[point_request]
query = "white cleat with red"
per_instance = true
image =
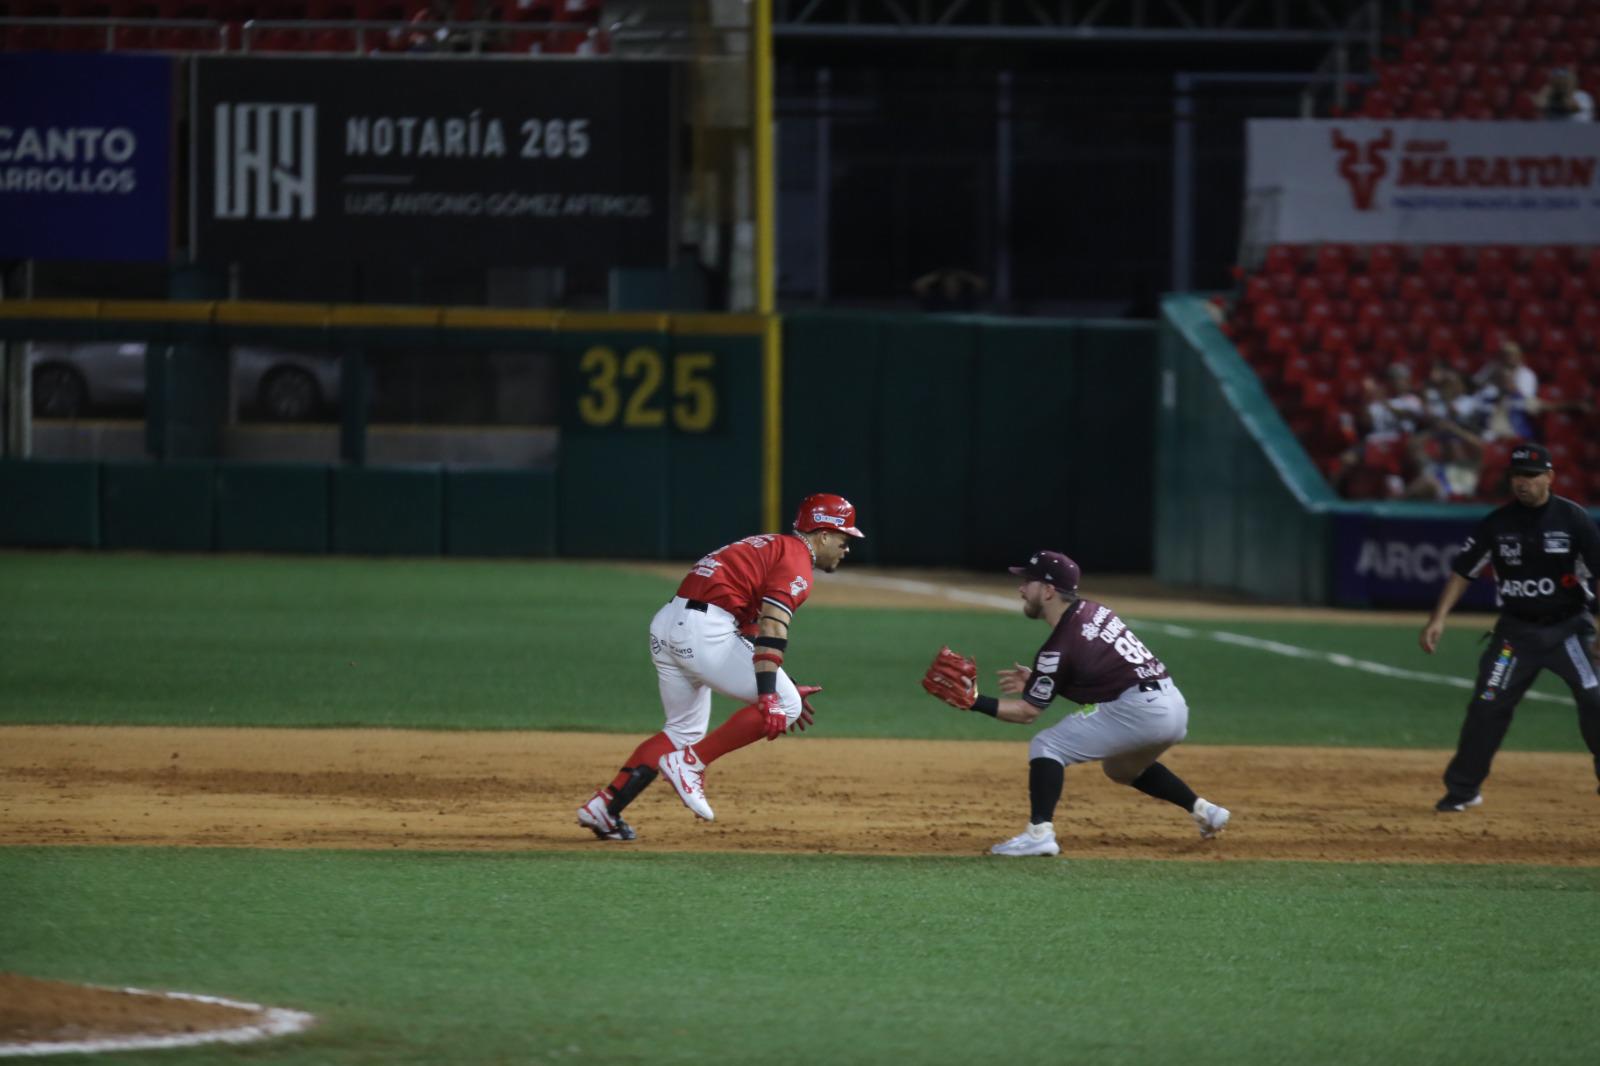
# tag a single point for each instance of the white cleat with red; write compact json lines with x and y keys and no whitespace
{"x":688,"y":776}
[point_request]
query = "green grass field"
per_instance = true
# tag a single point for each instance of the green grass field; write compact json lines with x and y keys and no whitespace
{"x":624,"y":957}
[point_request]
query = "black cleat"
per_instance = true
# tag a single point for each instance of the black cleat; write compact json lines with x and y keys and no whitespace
{"x":623,"y":831}
{"x":1454,"y":804}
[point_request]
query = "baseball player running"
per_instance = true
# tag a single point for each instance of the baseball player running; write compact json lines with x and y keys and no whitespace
{"x":1132,"y":711}
{"x":726,"y":630}
{"x":1545,"y":551}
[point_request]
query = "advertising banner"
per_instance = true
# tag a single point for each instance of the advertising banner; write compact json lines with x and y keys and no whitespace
{"x":1398,"y":562}
{"x":437,"y":161}
{"x":1424,"y":182}
{"x":85,"y":157}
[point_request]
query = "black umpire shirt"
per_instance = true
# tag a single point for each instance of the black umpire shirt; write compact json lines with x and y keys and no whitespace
{"x":1544,"y":559}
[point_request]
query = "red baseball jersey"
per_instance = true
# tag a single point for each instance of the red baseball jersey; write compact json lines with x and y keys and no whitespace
{"x":1091,"y":656}
{"x":768,"y":567}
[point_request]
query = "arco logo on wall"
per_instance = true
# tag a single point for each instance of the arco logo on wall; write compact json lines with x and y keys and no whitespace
{"x":436,"y":161}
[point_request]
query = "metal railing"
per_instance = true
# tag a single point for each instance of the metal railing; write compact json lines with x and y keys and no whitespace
{"x":460,"y":38}
{"x":112,"y":27}
{"x":450,"y":37}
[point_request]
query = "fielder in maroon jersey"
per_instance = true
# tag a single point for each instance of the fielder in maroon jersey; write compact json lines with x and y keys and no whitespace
{"x":1132,"y":710}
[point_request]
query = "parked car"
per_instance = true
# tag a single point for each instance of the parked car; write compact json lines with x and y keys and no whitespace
{"x":73,"y":380}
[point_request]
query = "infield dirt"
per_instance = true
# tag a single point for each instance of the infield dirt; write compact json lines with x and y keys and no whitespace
{"x":520,"y":791}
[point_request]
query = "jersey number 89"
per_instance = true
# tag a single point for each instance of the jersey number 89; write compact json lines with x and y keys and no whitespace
{"x":1132,"y":649}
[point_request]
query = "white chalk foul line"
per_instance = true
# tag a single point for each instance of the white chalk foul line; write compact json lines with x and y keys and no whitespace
{"x":1272,"y":647}
{"x":274,"y":1021}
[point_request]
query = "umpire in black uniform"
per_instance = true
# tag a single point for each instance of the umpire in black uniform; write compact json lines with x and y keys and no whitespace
{"x":1545,"y":551}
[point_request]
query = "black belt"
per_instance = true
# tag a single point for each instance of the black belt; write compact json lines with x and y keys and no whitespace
{"x":1149,"y":686}
{"x":1544,"y":619}
{"x":697,"y":605}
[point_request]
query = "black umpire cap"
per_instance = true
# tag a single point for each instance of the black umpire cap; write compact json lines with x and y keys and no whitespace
{"x":1052,"y":568}
{"x":1530,"y":459}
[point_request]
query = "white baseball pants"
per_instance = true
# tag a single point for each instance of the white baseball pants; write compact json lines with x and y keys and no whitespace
{"x":696,"y":653}
{"x":1126,"y":734}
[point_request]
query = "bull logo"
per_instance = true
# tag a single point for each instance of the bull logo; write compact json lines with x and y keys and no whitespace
{"x":1362,"y":164}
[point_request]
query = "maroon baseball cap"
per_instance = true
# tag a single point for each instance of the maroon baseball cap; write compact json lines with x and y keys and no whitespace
{"x":1052,"y":568}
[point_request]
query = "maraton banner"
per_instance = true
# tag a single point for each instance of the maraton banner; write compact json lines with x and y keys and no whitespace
{"x":85,"y":157}
{"x":440,"y":161}
{"x":1368,"y":181}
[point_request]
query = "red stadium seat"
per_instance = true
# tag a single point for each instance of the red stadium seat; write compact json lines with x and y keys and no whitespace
{"x":1444,"y":346}
{"x":1257,"y":289}
{"x":1395,"y":78}
{"x":1573,"y":290}
{"x":1414,"y":289}
{"x":1383,"y":258}
{"x":1283,"y":259}
{"x":1585,"y":324}
{"x":1466,"y":289}
{"x":1334,"y":258}
{"x":1375,"y":103}
{"x":1385,"y":283}
{"x":1282,"y":340}
{"x":1360,"y":289}
{"x":1336,"y":340}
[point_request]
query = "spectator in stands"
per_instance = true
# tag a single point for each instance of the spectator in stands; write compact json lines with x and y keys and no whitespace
{"x":1510,"y":356}
{"x":483,"y":40}
{"x":429,"y":32}
{"x":1448,"y":401}
{"x":1448,"y":463}
{"x":1399,"y":407}
{"x":1509,"y":414}
{"x":1561,"y":99}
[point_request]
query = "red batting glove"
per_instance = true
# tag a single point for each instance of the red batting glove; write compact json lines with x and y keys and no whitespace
{"x":807,"y":714}
{"x":776,"y":720}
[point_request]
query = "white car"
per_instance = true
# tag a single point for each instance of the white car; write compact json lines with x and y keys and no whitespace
{"x":74,"y":380}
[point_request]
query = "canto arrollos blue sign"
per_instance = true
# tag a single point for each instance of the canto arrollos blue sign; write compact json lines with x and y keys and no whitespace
{"x":85,"y":157}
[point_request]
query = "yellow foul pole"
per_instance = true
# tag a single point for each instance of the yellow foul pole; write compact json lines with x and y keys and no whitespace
{"x":766,"y":245}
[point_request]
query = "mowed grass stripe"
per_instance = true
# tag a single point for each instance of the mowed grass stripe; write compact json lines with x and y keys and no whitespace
{"x":447,"y":644}
{"x":627,"y":957}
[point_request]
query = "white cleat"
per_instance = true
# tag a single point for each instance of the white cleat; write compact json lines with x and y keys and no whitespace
{"x":688,"y":776}
{"x":594,"y":817}
{"x":1035,"y":840}
{"x":1210,"y":818}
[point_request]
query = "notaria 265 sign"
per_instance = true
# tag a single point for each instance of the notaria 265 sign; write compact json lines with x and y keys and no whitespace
{"x":494,"y":163}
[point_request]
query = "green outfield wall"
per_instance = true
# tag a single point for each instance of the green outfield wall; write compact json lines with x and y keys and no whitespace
{"x":965,"y":441}
{"x":973,"y":441}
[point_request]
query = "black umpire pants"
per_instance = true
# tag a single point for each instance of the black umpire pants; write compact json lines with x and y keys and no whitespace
{"x":1516,"y":653}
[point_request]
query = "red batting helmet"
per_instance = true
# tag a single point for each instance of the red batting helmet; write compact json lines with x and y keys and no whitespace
{"x":824,"y":510}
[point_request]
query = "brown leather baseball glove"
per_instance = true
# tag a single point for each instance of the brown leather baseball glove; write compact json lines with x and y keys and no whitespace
{"x":953,"y":678}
